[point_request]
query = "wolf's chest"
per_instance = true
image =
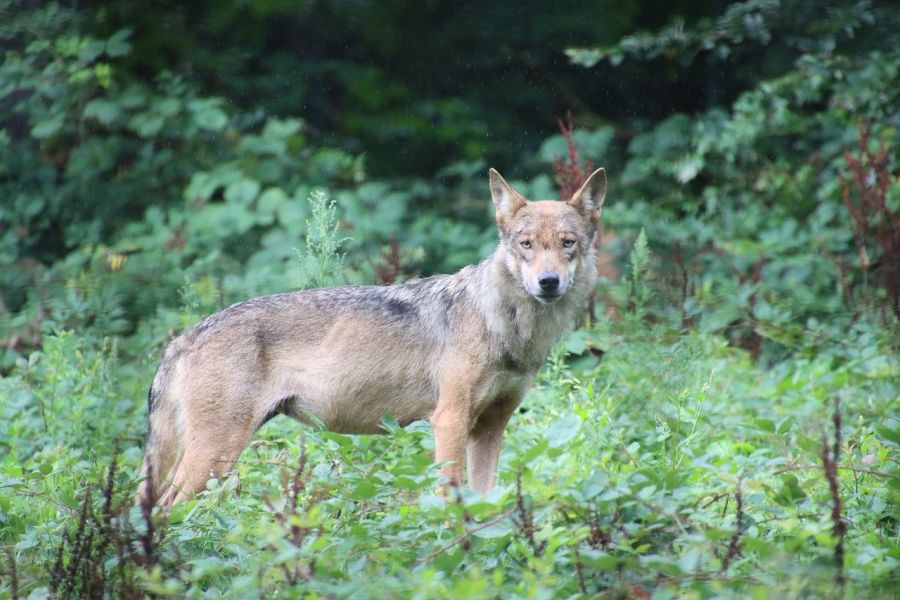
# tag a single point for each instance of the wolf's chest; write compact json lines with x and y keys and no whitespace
{"x":504,"y":384}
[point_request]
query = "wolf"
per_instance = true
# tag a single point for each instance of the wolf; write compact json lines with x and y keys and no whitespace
{"x":459,"y":350}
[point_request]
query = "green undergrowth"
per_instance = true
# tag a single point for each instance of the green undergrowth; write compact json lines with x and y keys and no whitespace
{"x":645,"y":461}
{"x":730,"y":430}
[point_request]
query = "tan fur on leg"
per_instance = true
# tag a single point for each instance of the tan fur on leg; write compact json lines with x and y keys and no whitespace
{"x":451,"y":427}
{"x":206,"y":456}
{"x":483,"y":450}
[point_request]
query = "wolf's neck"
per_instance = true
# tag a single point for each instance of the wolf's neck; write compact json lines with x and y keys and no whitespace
{"x":526,"y":328}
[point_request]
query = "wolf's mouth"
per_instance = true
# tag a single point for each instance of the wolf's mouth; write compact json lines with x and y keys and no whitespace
{"x":547,"y":298}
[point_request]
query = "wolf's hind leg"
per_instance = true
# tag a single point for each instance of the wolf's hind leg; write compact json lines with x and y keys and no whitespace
{"x":160,"y":458}
{"x":209,"y":453}
{"x":485,"y":439}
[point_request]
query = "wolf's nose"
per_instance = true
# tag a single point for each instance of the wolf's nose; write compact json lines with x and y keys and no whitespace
{"x":549,"y":282}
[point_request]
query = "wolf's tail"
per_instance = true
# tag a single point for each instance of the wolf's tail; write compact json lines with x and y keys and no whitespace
{"x":163,"y":449}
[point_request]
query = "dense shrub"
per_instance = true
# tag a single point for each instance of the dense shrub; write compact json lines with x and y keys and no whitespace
{"x":728,"y":427}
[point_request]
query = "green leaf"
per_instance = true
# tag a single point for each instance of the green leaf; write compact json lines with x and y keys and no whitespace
{"x":118,"y":45}
{"x":532,"y":453}
{"x":766,"y":425}
{"x":760,"y":546}
{"x":48,"y":126}
{"x":225,"y":220}
{"x":281,"y":128}
{"x":168,"y":107}
{"x":577,"y":342}
{"x":689,"y":561}
{"x":432,"y":502}
{"x":810,"y":444}
{"x":268,"y":203}
{"x":586,"y":57}
{"x":405,"y":483}
{"x":688,"y":169}
{"x":146,"y":124}
{"x":661,"y":563}
{"x":343,"y":440}
{"x":242,"y":191}
{"x":201,"y":187}
{"x":790,"y":491}
{"x":91,"y":51}
{"x":389,"y":424}
{"x":208,"y":115}
{"x":563,"y":430}
{"x":499,"y":529}
{"x":785,"y":426}
{"x":603,"y":561}
{"x":448,"y":561}
{"x":364,"y":490}
{"x":101,"y":110}
{"x":212,"y":119}
{"x":889,"y":434}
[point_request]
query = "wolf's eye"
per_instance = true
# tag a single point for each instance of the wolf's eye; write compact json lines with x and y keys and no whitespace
{"x":568,"y":243}
{"x":525,"y":244}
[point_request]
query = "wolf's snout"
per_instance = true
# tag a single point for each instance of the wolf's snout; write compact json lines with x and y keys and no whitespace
{"x":549,"y":282}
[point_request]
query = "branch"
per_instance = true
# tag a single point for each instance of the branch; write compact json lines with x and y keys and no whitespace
{"x":464,"y":537}
{"x":854,"y":469}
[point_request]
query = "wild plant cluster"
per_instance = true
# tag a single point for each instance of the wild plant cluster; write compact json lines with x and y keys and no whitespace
{"x":726,"y":424}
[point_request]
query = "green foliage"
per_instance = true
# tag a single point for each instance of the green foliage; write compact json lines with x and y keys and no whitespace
{"x":744,"y":200}
{"x":638,"y":291}
{"x":117,"y":183}
{"x":322,"y":260}
{"x":743,"y":27}
{"x":627,"y":482}
{"x":674,"y":449}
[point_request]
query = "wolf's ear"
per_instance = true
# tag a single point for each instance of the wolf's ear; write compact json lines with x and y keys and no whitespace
{"x":589,"y":198}
{"x":506,"y":200}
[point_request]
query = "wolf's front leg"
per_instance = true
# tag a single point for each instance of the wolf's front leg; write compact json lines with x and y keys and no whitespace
{"x":485,"y":440}
{"x":451,"y":429}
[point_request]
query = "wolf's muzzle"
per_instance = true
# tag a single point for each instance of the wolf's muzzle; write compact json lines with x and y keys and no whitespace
{"x":548,"y":282}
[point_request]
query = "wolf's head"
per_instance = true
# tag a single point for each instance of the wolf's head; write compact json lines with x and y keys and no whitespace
{"x":546,"y":243}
